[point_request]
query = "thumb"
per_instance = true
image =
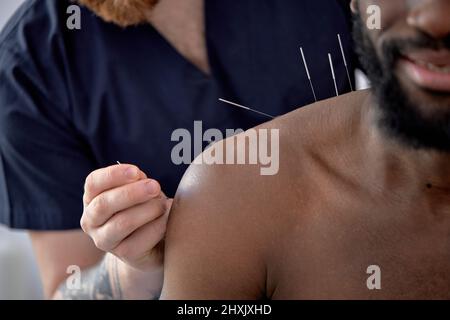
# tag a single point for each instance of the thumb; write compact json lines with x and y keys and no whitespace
{"x":169,"y":203}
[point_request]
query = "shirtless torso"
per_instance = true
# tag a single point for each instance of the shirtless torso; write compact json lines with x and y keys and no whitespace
{"x":345,"y":198}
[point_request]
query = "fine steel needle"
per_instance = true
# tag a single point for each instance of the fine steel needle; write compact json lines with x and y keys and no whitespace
{"x":246,"y":108}
{"x":345,"y":61}
{"x":307,"y":73}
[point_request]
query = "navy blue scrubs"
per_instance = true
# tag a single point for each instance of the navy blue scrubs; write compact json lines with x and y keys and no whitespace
{"x":72,"y":101}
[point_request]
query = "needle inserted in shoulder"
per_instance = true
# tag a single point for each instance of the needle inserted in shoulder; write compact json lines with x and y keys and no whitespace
{"x":307,"y":74}
{"x":332,"y":73}
{"x":118,"y":163}
{"x":246,"y":108}
{"x":345,"y":61}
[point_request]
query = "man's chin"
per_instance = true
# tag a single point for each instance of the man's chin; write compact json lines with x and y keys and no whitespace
{"x":428,"y":102}
{"x":123,"y":13}
{"x":416,"y":117}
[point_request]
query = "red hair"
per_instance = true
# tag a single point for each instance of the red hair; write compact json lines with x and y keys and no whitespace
{"x":121,"y":12}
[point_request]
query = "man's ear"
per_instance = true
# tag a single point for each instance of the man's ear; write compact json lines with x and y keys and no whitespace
{"x":354,"y":6}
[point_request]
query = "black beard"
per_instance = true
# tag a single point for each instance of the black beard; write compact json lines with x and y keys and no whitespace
{"x":400,"y":117}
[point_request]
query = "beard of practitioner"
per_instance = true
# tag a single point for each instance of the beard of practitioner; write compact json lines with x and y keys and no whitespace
{"x":123,"y":13}
{"x":360,"y":207}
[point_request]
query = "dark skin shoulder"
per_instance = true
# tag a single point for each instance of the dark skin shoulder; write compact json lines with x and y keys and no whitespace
{"x":346,"y":200}
{"x":228,"y":225}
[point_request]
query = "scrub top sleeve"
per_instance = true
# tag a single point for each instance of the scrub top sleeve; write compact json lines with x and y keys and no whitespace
{"x":43,"y":160}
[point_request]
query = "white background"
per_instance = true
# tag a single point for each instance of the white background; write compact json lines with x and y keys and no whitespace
{"x":19,"y":277}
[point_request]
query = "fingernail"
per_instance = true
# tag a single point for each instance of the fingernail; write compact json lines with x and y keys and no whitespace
{"x":413,"y":18}
{"x":131,"y":172}
{"x":152,"y":187}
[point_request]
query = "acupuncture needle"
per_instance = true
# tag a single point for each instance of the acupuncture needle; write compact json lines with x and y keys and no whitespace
{"x":246,"y":108}
{"x":307,"y":73}
{"x":345,"y":61}
{"x":332,"y":74}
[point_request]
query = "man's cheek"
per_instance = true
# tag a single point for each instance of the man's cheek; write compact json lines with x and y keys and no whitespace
{"x":380,"y":15}
{"x":382,"y":19}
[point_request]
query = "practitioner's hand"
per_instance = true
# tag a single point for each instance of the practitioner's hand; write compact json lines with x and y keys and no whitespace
{"x":125,"y":214}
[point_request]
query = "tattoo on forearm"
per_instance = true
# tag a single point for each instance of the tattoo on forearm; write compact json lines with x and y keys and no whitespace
{"x":117,"y":287}
{"x":98,"y":283}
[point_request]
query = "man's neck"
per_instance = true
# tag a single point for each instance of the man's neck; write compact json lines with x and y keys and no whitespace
{"x":182,"y":23}
{"x":396,"y":163}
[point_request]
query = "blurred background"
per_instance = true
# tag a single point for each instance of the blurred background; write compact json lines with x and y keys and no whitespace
{"x":19,"y":278}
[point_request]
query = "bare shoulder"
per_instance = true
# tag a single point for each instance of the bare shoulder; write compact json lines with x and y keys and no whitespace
{"x":249,"y":162}
{"x":321,"y":119}
{"x":227,"y":216}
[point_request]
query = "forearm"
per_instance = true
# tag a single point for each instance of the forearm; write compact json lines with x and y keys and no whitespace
{"x":113,"y":280}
